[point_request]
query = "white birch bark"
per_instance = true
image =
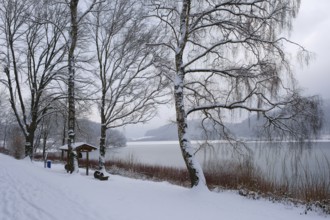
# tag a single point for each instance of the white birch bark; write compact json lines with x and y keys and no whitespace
{"x":73,"y":38}
{"x":72,"y":44}
{"x":195,"y":171}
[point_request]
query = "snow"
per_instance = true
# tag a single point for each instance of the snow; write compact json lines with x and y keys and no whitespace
{"x":29,"y":191}
{"x":75,"y":145}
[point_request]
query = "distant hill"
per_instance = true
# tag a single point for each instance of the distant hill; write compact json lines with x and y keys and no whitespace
{"x":245,"y":129}
{"x":163,"y":133}
{"x":168,"y":132}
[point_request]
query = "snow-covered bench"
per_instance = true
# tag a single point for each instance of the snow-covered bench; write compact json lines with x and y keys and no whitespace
{"x":99,"y":175}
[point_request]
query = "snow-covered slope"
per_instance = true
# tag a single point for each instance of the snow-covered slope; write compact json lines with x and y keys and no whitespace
{"x":29,"y":191}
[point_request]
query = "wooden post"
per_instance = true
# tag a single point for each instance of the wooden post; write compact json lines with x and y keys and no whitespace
{"x":87,"y":160}
{"x":67,"y":157}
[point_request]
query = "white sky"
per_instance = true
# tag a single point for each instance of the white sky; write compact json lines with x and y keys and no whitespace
{"x":310,"y":29}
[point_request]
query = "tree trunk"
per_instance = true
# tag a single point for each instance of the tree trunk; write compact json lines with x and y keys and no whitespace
{"x":44,"y":145}
{"x":29,"y":139}
{"x":64,"y":131}
{"x":102,"y":148}
{"x":72,"y":156}
{"x":195,"y":171}
{"x":103,"y":134}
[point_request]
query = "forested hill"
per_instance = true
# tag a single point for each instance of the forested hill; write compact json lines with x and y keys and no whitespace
{"x":246,"y":129}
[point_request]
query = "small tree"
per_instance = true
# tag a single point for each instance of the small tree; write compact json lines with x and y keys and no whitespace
{"x":115,"y":139}
{"x":131,"y":86}
{"x":16,"y":142}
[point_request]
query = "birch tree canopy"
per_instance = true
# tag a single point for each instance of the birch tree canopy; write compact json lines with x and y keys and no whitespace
{"x":229,"y":55}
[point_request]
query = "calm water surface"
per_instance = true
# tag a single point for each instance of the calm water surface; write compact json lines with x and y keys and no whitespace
{"x":282,"y":159}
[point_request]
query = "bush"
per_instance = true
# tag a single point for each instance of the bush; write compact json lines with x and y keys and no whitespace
{"x":16,"y":143}
{"x":16,"y":147}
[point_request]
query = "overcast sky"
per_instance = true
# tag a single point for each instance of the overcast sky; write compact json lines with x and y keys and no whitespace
{"x":312,"y":30}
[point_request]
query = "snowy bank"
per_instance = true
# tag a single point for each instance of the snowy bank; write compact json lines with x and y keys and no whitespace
{"x":29,"y":191}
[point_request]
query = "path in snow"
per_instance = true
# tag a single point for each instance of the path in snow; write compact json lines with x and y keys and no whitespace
{"x":29,"y":191}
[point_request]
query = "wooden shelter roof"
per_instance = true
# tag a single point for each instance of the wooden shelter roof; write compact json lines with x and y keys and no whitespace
{"x":80,"y":146}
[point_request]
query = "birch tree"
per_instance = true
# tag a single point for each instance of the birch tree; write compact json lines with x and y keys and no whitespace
{"x":32,"y":61}
{"x":229,"y":55}
{"x":131,"y":85}
{"x":76,"y":19}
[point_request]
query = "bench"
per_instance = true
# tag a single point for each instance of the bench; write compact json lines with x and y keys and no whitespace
{"x":99,"y":175}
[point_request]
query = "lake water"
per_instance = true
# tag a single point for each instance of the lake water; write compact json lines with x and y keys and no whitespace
{"x":281,"y":159}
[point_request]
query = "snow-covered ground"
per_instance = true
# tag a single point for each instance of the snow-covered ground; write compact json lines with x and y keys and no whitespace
{"x":29,"y":191}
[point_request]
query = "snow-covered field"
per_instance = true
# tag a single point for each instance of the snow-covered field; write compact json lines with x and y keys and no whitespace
{"x":29,"y":191}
